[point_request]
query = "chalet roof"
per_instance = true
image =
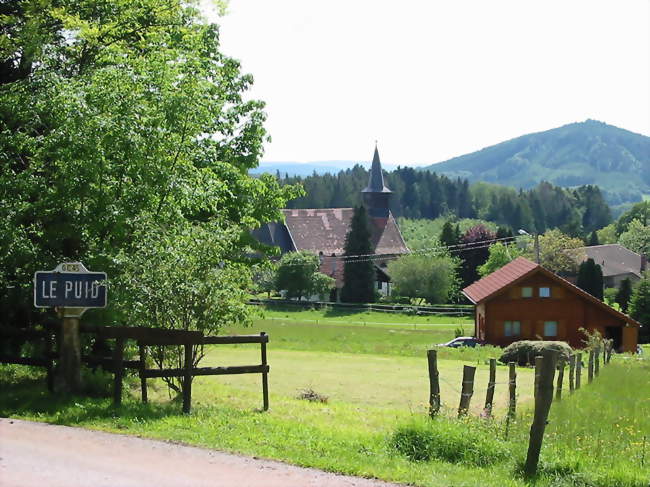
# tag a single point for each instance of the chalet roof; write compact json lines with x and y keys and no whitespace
{"x":376,"y":179}
{"x":324,"y":230}
{"x":614,"y":259}
{"x":517,"y":270}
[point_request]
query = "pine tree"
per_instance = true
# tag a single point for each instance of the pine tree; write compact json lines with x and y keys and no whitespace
{"x":359,"y":274}
{"x":624,"y":294}
{"x":593,"y":239}
{"x":590,"y":278}
{"x":448,"y":235}
{"x":640,"y":307}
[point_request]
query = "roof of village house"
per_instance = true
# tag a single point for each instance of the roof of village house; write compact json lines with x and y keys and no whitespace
{"x":324,"y":230}
{"x":614,"y":259}
{"x":519,"y":269}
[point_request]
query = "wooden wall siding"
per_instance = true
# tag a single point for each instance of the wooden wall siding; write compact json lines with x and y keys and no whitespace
{"x":569,"y":310}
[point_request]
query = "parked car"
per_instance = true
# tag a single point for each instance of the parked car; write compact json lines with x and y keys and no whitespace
{"x":460,"y":342}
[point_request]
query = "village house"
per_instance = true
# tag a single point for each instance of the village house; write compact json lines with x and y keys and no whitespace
{"x":616,"y":262}
{"x":323,"y":231}
{"x":525,"y":301}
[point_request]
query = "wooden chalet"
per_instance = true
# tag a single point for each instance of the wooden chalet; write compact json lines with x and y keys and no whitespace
{"x":525,"y":301}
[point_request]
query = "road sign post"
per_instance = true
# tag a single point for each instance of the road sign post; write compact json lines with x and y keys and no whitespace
{"x":71,"y":289}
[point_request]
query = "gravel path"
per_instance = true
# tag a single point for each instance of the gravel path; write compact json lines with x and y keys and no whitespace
{"x":44,"y":455}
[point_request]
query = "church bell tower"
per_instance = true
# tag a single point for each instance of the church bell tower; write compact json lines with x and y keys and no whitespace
{"x":376,"y":196}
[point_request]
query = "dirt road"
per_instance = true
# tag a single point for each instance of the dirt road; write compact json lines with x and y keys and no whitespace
{"x":43,"y":455}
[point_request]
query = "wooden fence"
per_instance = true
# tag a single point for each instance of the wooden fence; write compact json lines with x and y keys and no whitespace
{"x":544,"y":389}
{"x":144,"y":338}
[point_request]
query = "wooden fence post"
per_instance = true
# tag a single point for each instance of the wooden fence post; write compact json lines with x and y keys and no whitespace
{"x":590,"y":370}
{"x":578,"y":370}
{"x":572,"y":370}
{"x":49,"y":355}
{"x":489,"y":396}
{"x":512,"y":386}
{"x":143,"y":365}
{"x":118,"y":370}
{"x":597,"y":361}
{"x":542,"y":407}
{"x":467,"y":389}
{"x":560,"y":379}
{"x":265,"y":376}
{"x":538,"y":367}
{"x":434,"y":383}
{"x":187,"y":379}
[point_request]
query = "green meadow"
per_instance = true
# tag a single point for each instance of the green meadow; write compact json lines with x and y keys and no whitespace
{"x":374,"y":421}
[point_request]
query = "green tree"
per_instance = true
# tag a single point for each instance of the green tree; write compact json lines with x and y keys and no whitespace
{"x":636,"y":238}
{"x":125,"y":133}
{"x":359,"y":273}
{"x":640,"y":211}
{"x":559,"y":253}
{"x":424,"y":277}
{"x":295,"y":273}
{"x":640,"y":306}
{"x":624,"y":294}
{"x":499,"y":255}
{"x":590,"y":278}
{"x":593,"y":239}
{"x":475,"y":252}
{"x":448,"y":235}
{"x":607,"y":235}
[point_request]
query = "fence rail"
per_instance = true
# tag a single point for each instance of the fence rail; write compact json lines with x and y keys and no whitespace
{"x":144,"y":338}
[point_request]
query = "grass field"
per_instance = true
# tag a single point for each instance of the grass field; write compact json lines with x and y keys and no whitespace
{"x":374,"y":423}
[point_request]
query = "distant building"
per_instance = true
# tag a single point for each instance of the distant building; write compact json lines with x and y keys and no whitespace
{"x":323,"y":231}
{"x":525,"y":301}
{"x":617,"y":263}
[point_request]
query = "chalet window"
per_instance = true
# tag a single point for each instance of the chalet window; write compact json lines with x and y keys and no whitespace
{"x":550,"y":328}
{"x":526,"y":292}
{"x":512,"y":328}
{"x":544,"y":292}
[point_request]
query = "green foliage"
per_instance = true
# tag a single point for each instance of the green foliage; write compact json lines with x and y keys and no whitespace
{"x":449,"y":236}
{"x":593,"y":239}
{"x":476,"y":254}
{"x":500,"y":255}
{"x":424,"y":234}
{"x":429,"y":278}
{"x":640,"y":306}
{"x":607,"y":235}
{"x":359,"y":274}
{"x":590,"y":278}
{"x":640,"y":211}
{"x":636,"y":238}
{"x":298,"y":275}
{"x":264,"y":277}
{"x":557,"y":252}
{"x":524,"y":352}
{"x":624,"y":294}
{"x":470,"y":442}
{"x":125,"y":132}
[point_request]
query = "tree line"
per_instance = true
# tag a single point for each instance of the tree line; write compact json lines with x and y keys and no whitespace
{"x":423,"y":194}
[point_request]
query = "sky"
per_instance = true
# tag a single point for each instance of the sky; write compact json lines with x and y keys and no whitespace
{"x":431,"y":80}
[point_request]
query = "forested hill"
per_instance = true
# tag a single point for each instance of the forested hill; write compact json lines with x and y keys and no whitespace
{"x":423,"y":194}
{"x":590,"y":152}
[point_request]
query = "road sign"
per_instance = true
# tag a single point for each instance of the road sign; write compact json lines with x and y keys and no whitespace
{"x":70,"y":285}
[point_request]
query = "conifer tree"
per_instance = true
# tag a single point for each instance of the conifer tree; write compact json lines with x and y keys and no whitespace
{"x":358,"y":273}
{"x":448,"y":235}
{"x":640,"y":307}
{"x":624,"y":294}
{"x":590,"y":278}
{"x":593,"y":239}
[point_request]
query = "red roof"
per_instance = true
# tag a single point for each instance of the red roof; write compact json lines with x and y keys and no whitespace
{"x":499,"y":279}
{"x":517,"y":270}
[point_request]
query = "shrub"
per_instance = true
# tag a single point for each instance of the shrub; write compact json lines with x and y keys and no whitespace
{"x":464,"y":441}
{"x":525,"y":351}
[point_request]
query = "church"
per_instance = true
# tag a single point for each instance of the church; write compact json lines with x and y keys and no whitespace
{"x":323,"y":231}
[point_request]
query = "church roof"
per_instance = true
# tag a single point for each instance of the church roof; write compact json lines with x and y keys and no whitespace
{"x":376,"y":180}
{"x":324,"y":230}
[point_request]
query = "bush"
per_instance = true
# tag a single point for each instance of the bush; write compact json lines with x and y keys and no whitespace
{"x":525,"y":351}
{"x":466,"y":441}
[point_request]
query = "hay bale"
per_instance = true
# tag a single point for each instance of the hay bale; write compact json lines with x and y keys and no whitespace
{"x":525,"y":351}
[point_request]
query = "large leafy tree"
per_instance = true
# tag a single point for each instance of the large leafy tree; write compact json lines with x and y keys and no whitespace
{"x":125,"y":133}
{"x":475,"y":252}
{"x":433,"y":279}
{"x":298,"y":275}
{"x":636,"y":238}
{"x":559,"y":252}
{"x":500,"y":255}
{"x":359,"y":273}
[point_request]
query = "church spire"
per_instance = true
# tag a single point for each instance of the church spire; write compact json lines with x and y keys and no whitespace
{"x":376,"y":194}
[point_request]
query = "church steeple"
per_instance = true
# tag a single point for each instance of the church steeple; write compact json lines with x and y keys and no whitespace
{"x":376,"y":195}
